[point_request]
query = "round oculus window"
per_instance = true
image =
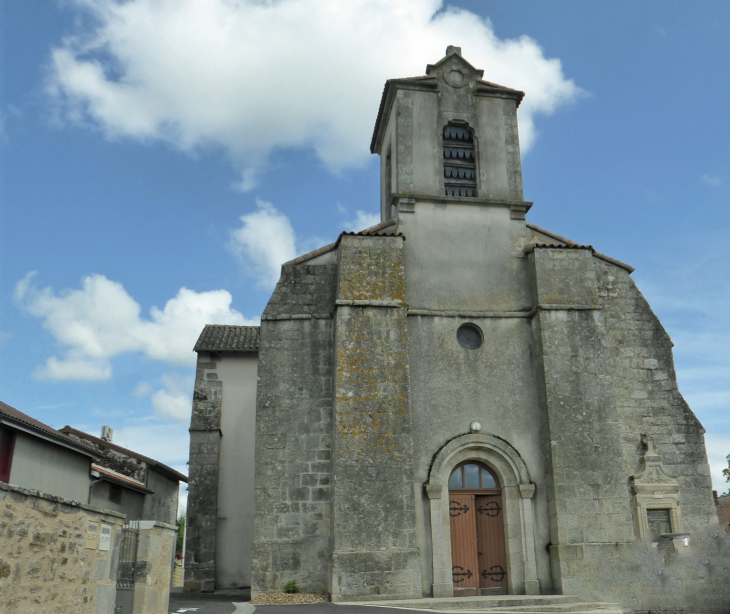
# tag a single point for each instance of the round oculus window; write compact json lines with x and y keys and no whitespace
{"x":469,"y":336}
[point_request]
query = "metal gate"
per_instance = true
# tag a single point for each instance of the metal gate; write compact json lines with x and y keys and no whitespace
{"x":127,"y":568}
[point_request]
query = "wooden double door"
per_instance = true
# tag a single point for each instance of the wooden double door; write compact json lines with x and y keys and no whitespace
{"x":477,"y":542}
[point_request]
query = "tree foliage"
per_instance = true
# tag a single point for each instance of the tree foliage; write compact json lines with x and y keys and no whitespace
{"x":180,"y":534}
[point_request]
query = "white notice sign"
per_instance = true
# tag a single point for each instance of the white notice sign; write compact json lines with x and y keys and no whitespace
{"x":105,"y":537}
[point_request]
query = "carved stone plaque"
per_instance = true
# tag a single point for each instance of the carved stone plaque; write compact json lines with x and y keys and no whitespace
{"x":659,"y":521}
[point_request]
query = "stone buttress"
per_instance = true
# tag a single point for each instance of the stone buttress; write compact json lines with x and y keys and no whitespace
{"x":205,"y":439}
{"x":588,"y":501}
{"x":292,"y":524}
{"x":374,"y":522}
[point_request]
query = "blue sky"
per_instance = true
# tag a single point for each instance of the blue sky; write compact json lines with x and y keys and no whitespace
{"x":160,"y":160}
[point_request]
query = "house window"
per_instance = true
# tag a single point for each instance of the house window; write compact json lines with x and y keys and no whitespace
{"x":115,"y":493}
{"x":460,"y":178}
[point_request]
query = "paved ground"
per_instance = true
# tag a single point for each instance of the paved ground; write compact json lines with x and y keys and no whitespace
{"x":183,"y":604}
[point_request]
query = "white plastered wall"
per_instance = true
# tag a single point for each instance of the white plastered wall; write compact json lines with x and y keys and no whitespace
{"x":50,"y":468}
{"x":234,"y":536}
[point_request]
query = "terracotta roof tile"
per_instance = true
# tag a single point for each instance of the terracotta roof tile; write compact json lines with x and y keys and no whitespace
{"x":556,"y":246}
{"x":122,"y":480}
{"x":373,"y":230}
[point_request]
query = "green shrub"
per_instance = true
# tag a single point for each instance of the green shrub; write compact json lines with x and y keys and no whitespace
{"x":291,"y":587}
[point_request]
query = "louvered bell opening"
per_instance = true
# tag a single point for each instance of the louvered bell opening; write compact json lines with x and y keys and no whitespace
{"x":459,"y":163}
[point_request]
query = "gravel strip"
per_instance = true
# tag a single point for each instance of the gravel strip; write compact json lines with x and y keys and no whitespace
{"x":290,"y":598}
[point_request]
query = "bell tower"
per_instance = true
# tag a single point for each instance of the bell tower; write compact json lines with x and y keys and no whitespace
{"x":449,"y":137}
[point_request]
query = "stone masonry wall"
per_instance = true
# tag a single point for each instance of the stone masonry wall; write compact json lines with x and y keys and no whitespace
{"x":374,"y":522}
{"x":292,"y":537}
{"x":587,"y":494}
{"x":609,"y":377}
{"x":45,"y":566}
{"x":647,"y":397}
{"x":205,"y":437}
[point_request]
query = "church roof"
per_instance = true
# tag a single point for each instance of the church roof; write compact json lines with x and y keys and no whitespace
{"x":377,"y":230}
{"x":573,"y":245}
{"x":225,"y":337}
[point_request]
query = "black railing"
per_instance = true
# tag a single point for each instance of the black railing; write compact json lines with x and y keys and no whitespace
{"x":128,"y":556}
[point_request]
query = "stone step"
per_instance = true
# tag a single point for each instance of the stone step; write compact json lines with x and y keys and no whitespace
{"x":471,"y":603}
{"x":503,"y":604}
{"x":574,"y":607}
{"x":537,"y":610}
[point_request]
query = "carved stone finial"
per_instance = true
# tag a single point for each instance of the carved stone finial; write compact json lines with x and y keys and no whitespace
{"x":651,"y":454}
{"x":451,"y":49}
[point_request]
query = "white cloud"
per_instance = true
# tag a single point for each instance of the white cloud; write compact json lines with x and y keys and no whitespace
{"x":718,"y":447}
{"x":143,"y":389}
{"x":711,"y":180}
{"x":264,"y":241}
{"x":249,"y":77}
{"x":362,"y":221}
{"x":174,"y":400}
{"x":77,"y":369}
{"x":101,"y":320}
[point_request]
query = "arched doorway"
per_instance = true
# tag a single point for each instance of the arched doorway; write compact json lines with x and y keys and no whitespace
{"x":511,"y":474}
{"x":477,"y":531}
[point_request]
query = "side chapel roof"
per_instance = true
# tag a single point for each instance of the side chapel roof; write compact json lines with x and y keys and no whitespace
{"x":222,"y":337}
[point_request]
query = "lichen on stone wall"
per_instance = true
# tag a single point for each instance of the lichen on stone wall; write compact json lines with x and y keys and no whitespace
{"x":374,"y":536}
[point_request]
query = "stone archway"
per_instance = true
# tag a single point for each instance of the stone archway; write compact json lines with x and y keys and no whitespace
{"x":517,"y":492}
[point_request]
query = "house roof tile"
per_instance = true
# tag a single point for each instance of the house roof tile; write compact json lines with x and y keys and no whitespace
{"x":10,"y":416}
{"x":98,"y":444}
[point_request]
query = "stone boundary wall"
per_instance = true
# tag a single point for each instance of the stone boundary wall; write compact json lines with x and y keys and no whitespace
{"x":651,"y":580}
{"x":45,"y":565}
{"x":155,"y":552}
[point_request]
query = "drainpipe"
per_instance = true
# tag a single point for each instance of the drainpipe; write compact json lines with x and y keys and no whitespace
{"x":97,"y":475}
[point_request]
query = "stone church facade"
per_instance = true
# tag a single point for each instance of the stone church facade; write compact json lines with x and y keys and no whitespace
{"x":453,"y":402}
